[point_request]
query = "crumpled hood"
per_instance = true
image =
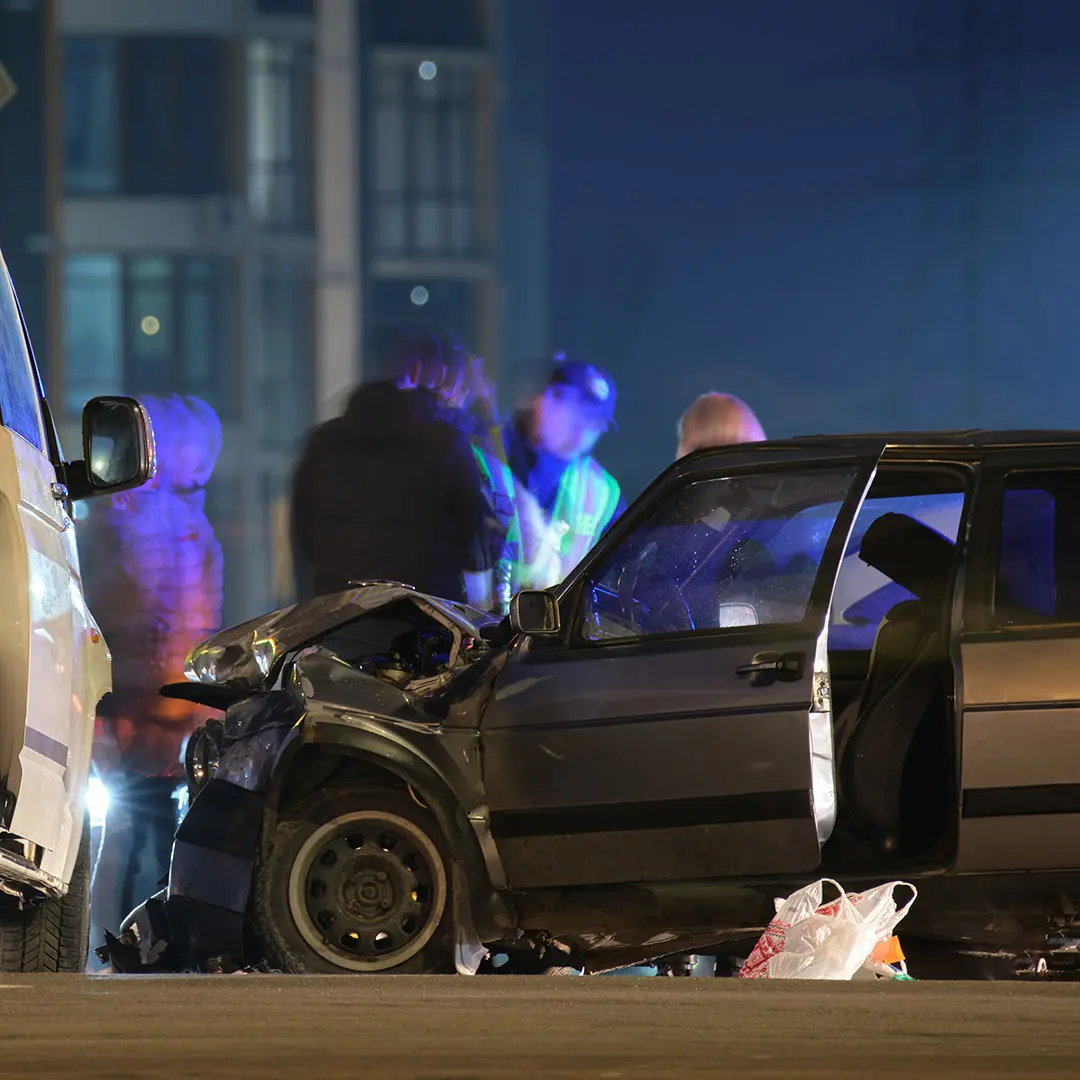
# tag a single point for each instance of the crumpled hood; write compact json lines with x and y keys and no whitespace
{"x":243,"y":656}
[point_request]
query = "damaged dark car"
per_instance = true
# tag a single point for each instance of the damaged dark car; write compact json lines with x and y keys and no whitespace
{"x":843,"y":657}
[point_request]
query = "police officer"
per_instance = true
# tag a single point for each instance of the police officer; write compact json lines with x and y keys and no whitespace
{"x":565,"y":498}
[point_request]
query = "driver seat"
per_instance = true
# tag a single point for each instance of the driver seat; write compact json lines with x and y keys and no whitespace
{"x":907,"y":676}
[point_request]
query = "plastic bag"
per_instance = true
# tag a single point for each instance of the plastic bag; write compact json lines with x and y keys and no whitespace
{"x":811,"y":940}
{"x":887,"y":961}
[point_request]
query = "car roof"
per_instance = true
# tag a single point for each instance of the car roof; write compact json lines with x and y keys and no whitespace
{"x":971,"y":438}
{"x":960,"y":444}
{"x":980,"y":438}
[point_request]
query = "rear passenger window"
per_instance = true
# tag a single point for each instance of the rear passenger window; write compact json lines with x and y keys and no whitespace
{"x":20,"y":407}
{"x":1038,"y":579}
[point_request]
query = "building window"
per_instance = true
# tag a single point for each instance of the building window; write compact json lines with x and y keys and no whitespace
{"x":224,"y":502}
{"x":280,"y":125}
{"x":448,"y":306}
{"x":92,"y":335}
{"x":145,"y":116}
{"x":455,"y":24}
{"x":424,"y":160}
{"x":285,"y":383}
{"x":147,"y":325}
{"x":276,"y":496}
{"x":91,"y":130}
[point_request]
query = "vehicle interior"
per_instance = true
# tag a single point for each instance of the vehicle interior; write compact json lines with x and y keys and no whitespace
{"x":892,"y":676}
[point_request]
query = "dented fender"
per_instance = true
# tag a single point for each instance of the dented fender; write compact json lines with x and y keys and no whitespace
{"x":443,"y":769}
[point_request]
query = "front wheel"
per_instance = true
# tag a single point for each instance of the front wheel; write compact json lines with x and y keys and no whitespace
{"x":51,"y":935}
{"x":355,"y":881}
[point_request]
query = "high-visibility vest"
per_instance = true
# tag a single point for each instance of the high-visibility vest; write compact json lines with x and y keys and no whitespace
{"x":585,"y":503}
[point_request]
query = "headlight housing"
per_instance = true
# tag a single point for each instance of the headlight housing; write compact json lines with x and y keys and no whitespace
{"x":242,"y":745}
{"x":239,"y":656}
{"x":202,"y":756}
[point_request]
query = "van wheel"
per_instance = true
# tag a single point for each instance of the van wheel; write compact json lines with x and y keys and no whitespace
{"x":356,"y":882}
{"x":51,"y":935}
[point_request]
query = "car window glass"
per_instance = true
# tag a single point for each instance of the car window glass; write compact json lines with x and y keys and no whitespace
{"x":718,"y":553}
{"x":864,"y":595}
{"x":20,"y":406}
{"x":1038,"y":579}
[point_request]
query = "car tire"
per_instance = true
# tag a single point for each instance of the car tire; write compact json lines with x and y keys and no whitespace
{"x":51,"y":935}
{"x":356,"y":880}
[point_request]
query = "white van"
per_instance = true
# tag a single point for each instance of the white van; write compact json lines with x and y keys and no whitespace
{"x":54,"y":665}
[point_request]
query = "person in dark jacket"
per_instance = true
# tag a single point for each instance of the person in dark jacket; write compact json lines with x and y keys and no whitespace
{"x":390,"y":490}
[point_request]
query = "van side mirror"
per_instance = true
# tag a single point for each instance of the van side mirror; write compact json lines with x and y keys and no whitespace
{"x":118,"y":448}
{"x":536,"y":613}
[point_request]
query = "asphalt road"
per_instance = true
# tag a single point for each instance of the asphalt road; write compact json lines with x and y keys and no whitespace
{"x":449,"y":1028}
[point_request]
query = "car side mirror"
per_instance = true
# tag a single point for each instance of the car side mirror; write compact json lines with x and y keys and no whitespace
{"x":536,"y":613}
{"x":118,"y":448}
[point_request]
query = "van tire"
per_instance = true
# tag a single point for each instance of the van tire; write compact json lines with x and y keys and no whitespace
{"x":51,"y":935}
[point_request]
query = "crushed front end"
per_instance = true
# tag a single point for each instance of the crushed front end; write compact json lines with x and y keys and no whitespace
{"x":199,"y":919}
{"x":390,"y":664}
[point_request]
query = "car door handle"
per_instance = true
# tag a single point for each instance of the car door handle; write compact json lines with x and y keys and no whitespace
{"x":59,"y":492}
{"x":766,"y":668}
{"x":761,"y":662}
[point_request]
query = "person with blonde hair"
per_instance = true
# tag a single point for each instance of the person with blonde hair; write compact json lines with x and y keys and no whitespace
{"x":717,"y":420}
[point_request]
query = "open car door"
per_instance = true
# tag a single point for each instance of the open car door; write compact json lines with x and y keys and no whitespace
{"x":679,"y":727}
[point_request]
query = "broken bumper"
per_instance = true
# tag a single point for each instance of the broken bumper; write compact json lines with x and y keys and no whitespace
{"x":203,"y":912}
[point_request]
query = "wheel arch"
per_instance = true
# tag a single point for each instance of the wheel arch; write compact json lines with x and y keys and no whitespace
{"x":345,"y":753}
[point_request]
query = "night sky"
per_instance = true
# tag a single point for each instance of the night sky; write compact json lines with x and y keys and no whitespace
{"x":820,"y":207}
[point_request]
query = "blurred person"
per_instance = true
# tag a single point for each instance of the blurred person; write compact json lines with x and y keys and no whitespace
{"x":390,"y":489}
{"x":717,"y":420}
{"x":153,"y":574}
{"x":472,"y":406}
{"x":479,"y":418}
{"x":565,"y":498}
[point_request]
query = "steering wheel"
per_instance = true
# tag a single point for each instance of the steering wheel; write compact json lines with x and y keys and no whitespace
{"x":664,"y":611}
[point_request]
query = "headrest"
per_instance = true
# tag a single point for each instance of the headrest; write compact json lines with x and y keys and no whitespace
{"x":910,"y":553}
